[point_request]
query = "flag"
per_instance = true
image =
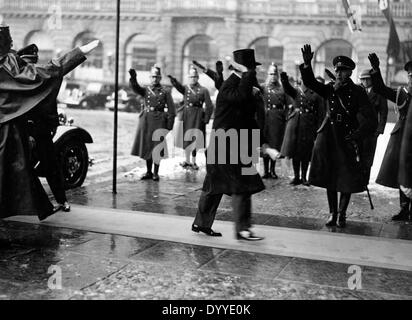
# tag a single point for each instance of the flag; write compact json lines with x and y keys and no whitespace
{"x":394,"y":48}
{"x":354,"y":15}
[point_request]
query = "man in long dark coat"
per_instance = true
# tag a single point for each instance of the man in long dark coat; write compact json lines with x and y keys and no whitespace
{"x":301,"y":127}
{"x":24,"y":86}
{"x":337,"y":156}
{"x":195,"y":114}
{"x":389,"y":172}
{"x":380,"y":106}
{"x":277,"y":109}
{"x":236,"y":176}
{"x":44,"y":121}
{"x":405,"y":161}
{"x":158,"y":114}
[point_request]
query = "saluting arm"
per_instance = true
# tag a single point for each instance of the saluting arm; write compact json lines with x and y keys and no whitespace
{"x":243,"y":91}
{"x":289,"y":90}
{"x":175,"y":83}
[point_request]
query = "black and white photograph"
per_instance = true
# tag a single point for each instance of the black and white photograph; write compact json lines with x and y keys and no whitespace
{"x":206,"y":154}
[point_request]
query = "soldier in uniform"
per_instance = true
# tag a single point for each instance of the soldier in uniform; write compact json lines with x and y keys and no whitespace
{"x":276,"y":104}
{"x":193,"y":116}
{"x":389,"y":172}
{"x":235,"y":111}
{"x":405,"y":161}
{"x":380,"y":106}
{"x":44,"y":121}
{"x":301,"y":127}
{"x":158,"y":113}
{"x":23,"y":87}
{"x":336,"y":163}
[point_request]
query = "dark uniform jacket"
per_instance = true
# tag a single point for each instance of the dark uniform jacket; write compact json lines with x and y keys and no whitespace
{"x":302,"y":123}
{"x":337,"y":156}
{"x":389,"y":170}
{"x":276,"y":104}
{"x":158,"y":113}
{"x":23,"y":87}
{"x":405,"y":161}
{"x":235,"y":110}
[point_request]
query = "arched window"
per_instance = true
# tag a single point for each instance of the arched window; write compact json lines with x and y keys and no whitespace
{"x":92,"y":68}
{"x":203,"y":49}
{"x":267,"y":50}
{"x":42,"y":40}
{"x":140,"y":55}
{"x":329,"y":50}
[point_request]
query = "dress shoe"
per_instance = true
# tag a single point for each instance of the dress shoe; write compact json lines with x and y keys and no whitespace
{"x":267,"y":176}
{"x":403,"y":215}
{"x":155,"y":177}
{"x":332,"y":220}
{"x":296,"y":182}
{"x":207,"y":231}
{"x":305,"y":182}
{"x":274,"y":175}
{"x":341,"y":220}
{"x":147,"y":176}
{"x":248,"y":236}
{"x":66,"y":207}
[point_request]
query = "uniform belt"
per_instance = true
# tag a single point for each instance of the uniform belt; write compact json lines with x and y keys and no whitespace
{"x":153,"y":109}
{"x":193,"y":105}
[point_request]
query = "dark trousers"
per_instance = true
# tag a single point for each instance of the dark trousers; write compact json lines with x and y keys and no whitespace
{"x":208,"y":204}
{"x":50,"y":162}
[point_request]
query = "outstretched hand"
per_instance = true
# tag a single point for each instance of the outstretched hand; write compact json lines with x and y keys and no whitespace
{"x":132,"y":73}
{"x":284,"y":76}
{"x":197,"y":64}
{"x":307,"y":54}
{"x":374,"y":60}
{"x":86,"y":49}
{"x":219,"y":67}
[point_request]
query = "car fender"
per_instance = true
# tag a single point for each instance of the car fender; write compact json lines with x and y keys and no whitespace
{"x":64,"y":133}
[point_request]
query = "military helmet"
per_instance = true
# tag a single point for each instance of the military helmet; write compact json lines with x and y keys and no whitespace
{"x":155,"y":71}
{"x":273,"y":69}
{"x":193,"y":72}
{"x":408,"y":65}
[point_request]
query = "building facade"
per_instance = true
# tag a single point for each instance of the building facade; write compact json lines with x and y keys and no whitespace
{"x":172,"y":33}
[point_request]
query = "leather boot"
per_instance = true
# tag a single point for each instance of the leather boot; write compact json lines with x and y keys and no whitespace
{"x":332,"y":220}
{"x":341,"y":220}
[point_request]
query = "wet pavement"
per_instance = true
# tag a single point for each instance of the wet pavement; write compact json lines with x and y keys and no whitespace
{"x":107,"y":266}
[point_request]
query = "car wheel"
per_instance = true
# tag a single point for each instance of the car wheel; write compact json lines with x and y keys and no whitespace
{"x":75,"y":163}
{"x":85,"y":104}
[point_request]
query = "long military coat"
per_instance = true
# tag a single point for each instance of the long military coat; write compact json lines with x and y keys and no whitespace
{"x":405,"y":157}
{"x":158,"y":113}
{"x":276,"y":104}
{"x":337,"y":160}
{"x":24,"y":87}
{"x":195,"y":113}
{"x":302,"y":122}
{"x":389,"y":171}
{"x":229,"y":171}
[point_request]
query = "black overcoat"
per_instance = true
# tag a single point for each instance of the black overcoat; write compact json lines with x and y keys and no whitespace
{"x":235,"y":114}
{"x":405,"y":158}
{"x":389,"y":170}
{"x":337,"y":160}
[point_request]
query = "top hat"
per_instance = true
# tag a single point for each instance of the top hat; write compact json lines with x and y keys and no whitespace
{"x":4,"y":29}
{"x":245,"y":57}
{"x":273,"y":69}
{"x":343,"y":62}
{"x":31,"y":51}
{"x":155,"y":71}
{"x":193,"y":72}
{"x":408,"y":65}
{"x":365,"y":74}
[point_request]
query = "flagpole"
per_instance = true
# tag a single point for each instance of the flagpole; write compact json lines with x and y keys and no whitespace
{"x":116,"y":99}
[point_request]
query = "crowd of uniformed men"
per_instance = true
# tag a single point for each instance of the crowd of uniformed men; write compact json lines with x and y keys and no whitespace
{"x":332,"y":126}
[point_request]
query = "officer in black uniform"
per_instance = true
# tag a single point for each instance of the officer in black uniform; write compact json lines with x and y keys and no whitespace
{"x":44,"y":121}
{"x":336,"y":163}
{"x":389,"y":173}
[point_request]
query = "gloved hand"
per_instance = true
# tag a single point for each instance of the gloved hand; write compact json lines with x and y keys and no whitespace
{"x":132,"y":73}
{"x":374,"y":60}
{"x":219,"y":67}
{"x":284,"y":77}
{"x":197,"y":64}
{"x":307,"y":54}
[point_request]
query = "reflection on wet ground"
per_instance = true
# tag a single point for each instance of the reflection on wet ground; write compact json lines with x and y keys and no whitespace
{"x":279,"y":205}
{"x":105,"y":266}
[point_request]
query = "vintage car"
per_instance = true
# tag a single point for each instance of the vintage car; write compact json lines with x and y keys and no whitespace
{"x":70,"y":142}
{"x":128,"y":101}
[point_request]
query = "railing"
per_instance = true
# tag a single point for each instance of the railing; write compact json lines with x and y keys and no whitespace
{"x":330,"y":8}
